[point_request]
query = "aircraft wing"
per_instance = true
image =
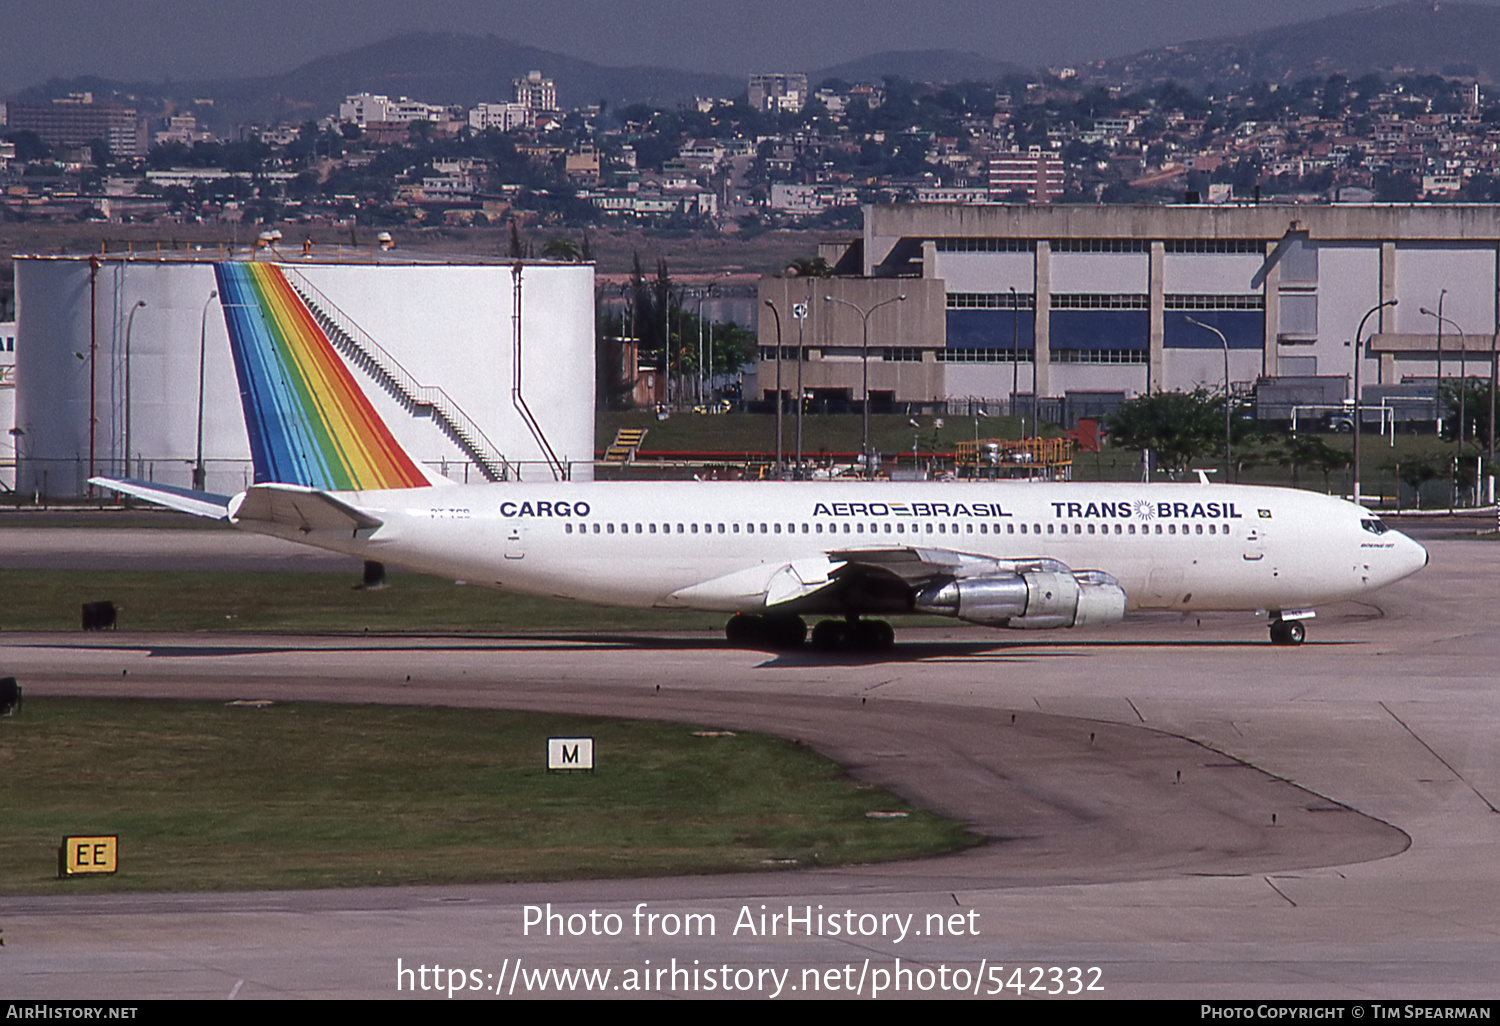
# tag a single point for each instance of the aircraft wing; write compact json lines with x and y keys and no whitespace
{"x":867,"y":580}
{"x":184,"y":500}
{"x":920,"y":566}
{"x":889,"y":580}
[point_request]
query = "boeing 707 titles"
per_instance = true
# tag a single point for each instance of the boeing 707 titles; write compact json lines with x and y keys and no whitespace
{"x":329,"y":473}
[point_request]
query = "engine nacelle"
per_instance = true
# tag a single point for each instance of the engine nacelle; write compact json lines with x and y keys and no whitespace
{"x":1032,"y":599}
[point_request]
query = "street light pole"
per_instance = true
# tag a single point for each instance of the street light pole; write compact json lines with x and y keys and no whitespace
{"x":129,"y":324}
{"x":1491,"y":455}
{"x":799,"y":311}
{"x":666,"y":345}
{"x":1015,"y":348}
{"x":775,"y":313}
{"x":864,"y":316}
{"x":1438,"y":389}
{"x":1228,"y":459}
{"x":1463,"y":341}
{"x":199,"y":475}
{"x":1359,"y":353}
{"x":709,"y":367}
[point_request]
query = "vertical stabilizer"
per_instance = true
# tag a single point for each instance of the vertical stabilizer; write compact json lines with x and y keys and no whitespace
{"x":309,"y":422}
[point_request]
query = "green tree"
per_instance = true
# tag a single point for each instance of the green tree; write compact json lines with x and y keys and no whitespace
{"x":1312,"y":451}
{"x":731,"y":345}
{"x":1178,"y":426}
{"x":1475,"y":395}
{"x":614,"y":381}
{"x":811,"y":267}
{"x":562,"y":249}
{"x":1415,"y":471}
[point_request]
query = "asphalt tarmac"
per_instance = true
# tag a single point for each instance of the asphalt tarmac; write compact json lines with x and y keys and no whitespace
{"x":1372,"y":746}
{"x":144,"y":548}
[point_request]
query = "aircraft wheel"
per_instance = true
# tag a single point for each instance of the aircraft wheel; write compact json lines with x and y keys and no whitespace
{"x":830,"y":635}
{"x":874,"y":636}
{"x":743,"y":631}
{"x":1287,"y":632}
{"x":784,"y":633}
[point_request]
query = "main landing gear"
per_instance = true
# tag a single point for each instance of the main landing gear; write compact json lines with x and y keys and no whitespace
{"x":780,"y":633}
{"x":853,"y":635}
{"x":1287,"y":632}
{"x":785,"y":633}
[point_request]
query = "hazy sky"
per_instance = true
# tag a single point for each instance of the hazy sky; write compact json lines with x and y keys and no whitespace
{"x":184,"y":39}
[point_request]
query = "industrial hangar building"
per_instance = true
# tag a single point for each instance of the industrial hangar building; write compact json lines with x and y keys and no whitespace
{"x":123,"y":365}
{"x":1084,"y":306}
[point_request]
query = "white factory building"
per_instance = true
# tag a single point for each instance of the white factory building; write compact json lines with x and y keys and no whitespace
{"x":1082,"y":306}
{"x":474,"y":380}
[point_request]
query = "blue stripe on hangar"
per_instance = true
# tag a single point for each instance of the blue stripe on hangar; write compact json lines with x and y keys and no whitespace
{"x":990,"y":329}
{"x":1100,"y":329}
{"x":1243,"y":329}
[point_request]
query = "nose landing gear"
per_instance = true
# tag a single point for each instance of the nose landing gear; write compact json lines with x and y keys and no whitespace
{"x":1287,"y":632}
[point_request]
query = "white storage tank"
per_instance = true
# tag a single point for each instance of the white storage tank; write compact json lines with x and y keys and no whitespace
{"x":110,"y":353}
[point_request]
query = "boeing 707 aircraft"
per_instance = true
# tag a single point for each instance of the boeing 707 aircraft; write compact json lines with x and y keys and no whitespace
{"x":1022,"y":555}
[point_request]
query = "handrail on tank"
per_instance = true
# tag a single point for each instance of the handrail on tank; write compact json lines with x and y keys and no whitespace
{"x":486,"y":455}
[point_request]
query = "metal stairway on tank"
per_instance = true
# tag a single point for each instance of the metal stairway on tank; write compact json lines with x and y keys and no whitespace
{"x":417,"y":399}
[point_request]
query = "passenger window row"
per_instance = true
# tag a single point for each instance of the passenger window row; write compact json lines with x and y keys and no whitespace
{"x":889,"y":527}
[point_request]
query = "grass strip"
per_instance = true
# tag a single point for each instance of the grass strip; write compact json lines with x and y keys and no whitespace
{"x":305,"y":603}
{"x":209,"y":796}
{"x":317,"y":603}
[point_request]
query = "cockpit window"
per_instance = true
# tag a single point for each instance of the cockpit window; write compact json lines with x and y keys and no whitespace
{"x":1374,"y":525}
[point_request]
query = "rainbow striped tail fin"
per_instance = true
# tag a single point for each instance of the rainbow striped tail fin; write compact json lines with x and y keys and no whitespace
{"x":309,"y":422}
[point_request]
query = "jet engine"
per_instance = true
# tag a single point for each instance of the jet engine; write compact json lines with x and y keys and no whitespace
{"x":1044,"y":595}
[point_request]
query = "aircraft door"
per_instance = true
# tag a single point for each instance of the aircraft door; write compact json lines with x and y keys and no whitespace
{"x":1255,"y":554}
{"x":515,"y":540}
{"x":1254,"y":544}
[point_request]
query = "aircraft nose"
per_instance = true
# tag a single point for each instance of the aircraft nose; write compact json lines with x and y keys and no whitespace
{"x":1411,"y":557}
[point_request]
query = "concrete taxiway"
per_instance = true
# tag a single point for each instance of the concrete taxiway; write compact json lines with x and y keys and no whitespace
{"x":1372,"y":745}
{"x":133,"y":548}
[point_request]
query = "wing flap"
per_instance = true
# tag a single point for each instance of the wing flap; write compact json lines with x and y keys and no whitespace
{"x":766,"y":584}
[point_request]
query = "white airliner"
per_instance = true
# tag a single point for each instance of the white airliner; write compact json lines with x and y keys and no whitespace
{"x":1001,"y":554}
{"x":329,"y":473}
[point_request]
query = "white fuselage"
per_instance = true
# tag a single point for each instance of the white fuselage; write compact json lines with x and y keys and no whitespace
{"x":1170,"y":546}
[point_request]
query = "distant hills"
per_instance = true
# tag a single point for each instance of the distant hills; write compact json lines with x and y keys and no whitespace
{"x":1422,"y":37}
{"x":434,"y":67}
{"x":453,"y":68}
{"x":919,"y":66}
{"x":1451,"y":39}
{"x":439,"y":67}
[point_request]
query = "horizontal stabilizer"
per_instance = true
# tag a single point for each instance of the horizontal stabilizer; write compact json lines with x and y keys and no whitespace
{"x":185,"y":500}
{"x":303,"y":509}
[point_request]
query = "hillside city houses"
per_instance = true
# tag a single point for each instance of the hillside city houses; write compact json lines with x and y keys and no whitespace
{"x":1055,"y":241}
{"x":783,"y":153}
